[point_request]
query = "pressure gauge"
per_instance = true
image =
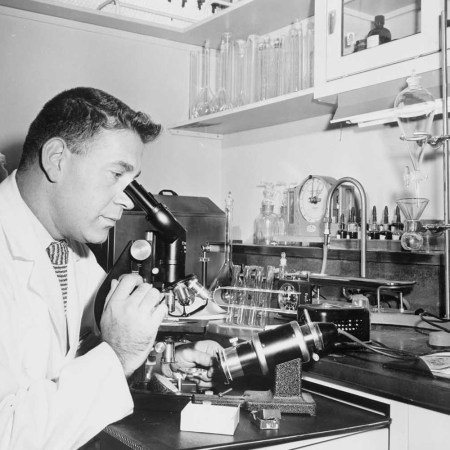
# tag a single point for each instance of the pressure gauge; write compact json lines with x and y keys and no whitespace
{"x":307,"y":204}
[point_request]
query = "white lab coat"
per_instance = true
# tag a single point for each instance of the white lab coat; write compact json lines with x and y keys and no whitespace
{"x":48,"y":398}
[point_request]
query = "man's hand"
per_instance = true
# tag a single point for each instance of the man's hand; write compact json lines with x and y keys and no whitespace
{"x":196,"y":354}
{"x":131,"y":319}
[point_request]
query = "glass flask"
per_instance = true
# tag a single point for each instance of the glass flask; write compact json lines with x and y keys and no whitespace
{"x":203,"y":100}
{"x":240,"y":97}
{"x":414,"y":108}
{"x":222,"y":99}
{"x":412,"y":209}
{"x":225,"y":274}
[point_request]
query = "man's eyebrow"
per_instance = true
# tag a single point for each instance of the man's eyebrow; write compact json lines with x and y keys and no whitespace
{"x":127,"y":167}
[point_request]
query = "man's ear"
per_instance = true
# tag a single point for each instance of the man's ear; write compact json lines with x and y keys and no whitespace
{"x":52,"y":156}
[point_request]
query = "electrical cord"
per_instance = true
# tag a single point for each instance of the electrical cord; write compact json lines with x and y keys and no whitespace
{"x":433,"y":323}
{"x":381,"y":349}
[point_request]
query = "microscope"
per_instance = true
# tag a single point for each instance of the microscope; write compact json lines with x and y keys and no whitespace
{"x":159,"y":258}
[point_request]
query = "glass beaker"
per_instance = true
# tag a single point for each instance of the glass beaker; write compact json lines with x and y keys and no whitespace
{"x":412,"y":209}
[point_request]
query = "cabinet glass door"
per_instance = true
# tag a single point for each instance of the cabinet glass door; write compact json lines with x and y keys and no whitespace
{"x":366,"y":34}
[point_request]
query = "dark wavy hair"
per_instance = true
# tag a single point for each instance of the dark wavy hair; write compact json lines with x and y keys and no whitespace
{"x":78,"y":115}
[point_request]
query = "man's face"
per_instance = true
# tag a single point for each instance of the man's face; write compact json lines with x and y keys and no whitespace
{"x":90,"y":198}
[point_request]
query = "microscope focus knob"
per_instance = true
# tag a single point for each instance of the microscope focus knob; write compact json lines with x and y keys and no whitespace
{"x":160,"y":347}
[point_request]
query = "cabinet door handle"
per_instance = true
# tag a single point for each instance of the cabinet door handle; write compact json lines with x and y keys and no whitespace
{"x":331,"y":21}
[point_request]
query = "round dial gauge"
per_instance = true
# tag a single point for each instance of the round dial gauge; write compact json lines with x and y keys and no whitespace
{"x":312,"y":198}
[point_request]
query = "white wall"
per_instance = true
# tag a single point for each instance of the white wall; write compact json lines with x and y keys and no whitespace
{"x":41,"y":56}
{"x":374,"y":156}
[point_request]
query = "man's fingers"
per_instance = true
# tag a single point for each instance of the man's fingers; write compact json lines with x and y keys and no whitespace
{"x":114,"y":284}
{"x":201,"y":358}
{"x":126,"y":286}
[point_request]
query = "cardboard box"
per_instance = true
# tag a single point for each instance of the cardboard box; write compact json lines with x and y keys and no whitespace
{"x":206,"y":418}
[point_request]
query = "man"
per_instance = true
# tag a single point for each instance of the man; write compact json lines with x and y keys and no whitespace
{"x":81,"y":151}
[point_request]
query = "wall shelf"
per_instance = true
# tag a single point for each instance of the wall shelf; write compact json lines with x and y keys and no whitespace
{"x":241,"y":19}
{"x":275,"y":111}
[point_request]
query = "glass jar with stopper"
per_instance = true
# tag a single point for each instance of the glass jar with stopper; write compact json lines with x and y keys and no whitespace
{"x":266,"y":222}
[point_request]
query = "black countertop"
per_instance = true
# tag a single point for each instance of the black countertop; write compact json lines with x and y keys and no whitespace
{"x":155,"y":424}
{"x":367,"y":371}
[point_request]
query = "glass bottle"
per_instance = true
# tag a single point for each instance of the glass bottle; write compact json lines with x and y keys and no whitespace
{"x":378,"y":34}
{"x":267,"y":223}
{"x":342,"y":229}
{"x":374,"y":229}
{"x":352,"y":226}
{"x":203,"y":101}
{"x":222,"y":99}
{"x":385,"y":232}
{"x":396,"y":226}
{"x":224,"y":276}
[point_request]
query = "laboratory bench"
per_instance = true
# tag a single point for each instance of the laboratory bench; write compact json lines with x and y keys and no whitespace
{"x":356,"y":395}
{"x":155,"y":424}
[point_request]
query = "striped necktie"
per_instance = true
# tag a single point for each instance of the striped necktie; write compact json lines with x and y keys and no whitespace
{"x":58,"y":253}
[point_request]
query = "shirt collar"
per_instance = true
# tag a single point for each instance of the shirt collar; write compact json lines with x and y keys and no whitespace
{"x":43,"y":237}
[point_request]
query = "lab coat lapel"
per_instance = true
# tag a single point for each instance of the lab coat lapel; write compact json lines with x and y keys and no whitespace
{"x":33,"y":262}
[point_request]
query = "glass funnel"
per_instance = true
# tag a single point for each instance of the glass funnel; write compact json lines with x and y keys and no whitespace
{"x":414,"y":108}
{"x":412,"y":208}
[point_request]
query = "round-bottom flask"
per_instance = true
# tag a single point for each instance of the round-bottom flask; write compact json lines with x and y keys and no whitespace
{"x":412,"y":239}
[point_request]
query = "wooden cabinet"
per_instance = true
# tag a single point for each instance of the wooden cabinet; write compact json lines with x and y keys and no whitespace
{"x":344,"y":65}
{"x":412,"y":427}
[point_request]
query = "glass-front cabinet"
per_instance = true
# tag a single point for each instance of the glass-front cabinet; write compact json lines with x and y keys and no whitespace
{"x":363,"y":35}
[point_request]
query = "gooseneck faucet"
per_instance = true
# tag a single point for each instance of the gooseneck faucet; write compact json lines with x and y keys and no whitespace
{"x":327,"y":220}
